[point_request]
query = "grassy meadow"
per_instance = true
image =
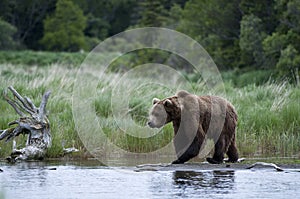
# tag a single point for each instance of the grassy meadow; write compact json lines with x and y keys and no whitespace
{"x":269,"y":113}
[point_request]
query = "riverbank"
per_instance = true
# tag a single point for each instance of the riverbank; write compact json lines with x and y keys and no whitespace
{"x":245,"y":163}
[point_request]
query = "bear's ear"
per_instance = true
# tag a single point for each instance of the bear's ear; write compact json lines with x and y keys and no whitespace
{"x":167,"y":103}
{"x":155,"y":100}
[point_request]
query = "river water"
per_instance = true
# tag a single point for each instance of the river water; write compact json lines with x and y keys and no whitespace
{"x":36,"y":180}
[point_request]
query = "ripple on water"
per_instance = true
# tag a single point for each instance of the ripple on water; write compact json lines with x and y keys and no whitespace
{"x":77,"y":181}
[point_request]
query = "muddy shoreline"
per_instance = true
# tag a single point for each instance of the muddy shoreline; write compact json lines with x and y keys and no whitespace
{"x":253,"y":164}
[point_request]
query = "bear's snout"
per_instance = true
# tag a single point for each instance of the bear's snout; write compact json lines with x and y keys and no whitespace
{"x":150,"y":124}
{"x":153,"y":124}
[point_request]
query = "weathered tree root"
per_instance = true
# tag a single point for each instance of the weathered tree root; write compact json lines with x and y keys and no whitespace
{"x":33,"y":122}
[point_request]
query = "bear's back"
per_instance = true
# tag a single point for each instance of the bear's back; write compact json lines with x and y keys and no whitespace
{"x":215,"y":106}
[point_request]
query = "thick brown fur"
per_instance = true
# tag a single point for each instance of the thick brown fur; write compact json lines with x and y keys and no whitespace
{"x":194,"y":118}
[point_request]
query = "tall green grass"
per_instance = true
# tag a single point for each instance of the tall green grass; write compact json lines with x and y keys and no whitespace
{"x":269,"y":119}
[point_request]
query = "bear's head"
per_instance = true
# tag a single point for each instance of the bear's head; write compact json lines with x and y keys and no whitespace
{"x":163,"y":112}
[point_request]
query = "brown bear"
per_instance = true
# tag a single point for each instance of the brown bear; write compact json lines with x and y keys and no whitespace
{"x":194,"y":119}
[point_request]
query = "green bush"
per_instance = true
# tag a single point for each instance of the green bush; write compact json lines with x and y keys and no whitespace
{"x":241,"y":78}
{"x":63,"y":31}
{"x":41,"y":58}
{"x":7,"y":32}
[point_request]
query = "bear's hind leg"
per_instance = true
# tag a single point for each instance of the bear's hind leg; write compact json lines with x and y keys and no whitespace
{"x":232,"y":152}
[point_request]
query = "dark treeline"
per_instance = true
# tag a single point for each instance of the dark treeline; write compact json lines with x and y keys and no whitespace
{"x":243,"y":34}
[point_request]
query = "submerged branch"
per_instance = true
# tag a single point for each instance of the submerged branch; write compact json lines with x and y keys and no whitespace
{"x":266,"y":165}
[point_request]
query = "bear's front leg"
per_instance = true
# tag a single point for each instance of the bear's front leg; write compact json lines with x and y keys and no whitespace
{"x":218,"y":156}
{"x":190,"y":153}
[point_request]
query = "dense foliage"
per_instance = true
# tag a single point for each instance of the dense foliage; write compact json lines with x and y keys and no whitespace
{"x":41,"y":59}
{"x":237,"y":33}
{"x":6,"y":35}
{"x":64,"y":29}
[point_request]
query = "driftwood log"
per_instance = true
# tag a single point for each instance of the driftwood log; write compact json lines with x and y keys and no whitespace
{"x":264,"y":164}
{"x":33,"y":122}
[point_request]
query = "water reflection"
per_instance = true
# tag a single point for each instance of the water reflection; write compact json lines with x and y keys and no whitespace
{"x":30,"y":173}
{"x":217,"y":182}
{"x":87,"y":180}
